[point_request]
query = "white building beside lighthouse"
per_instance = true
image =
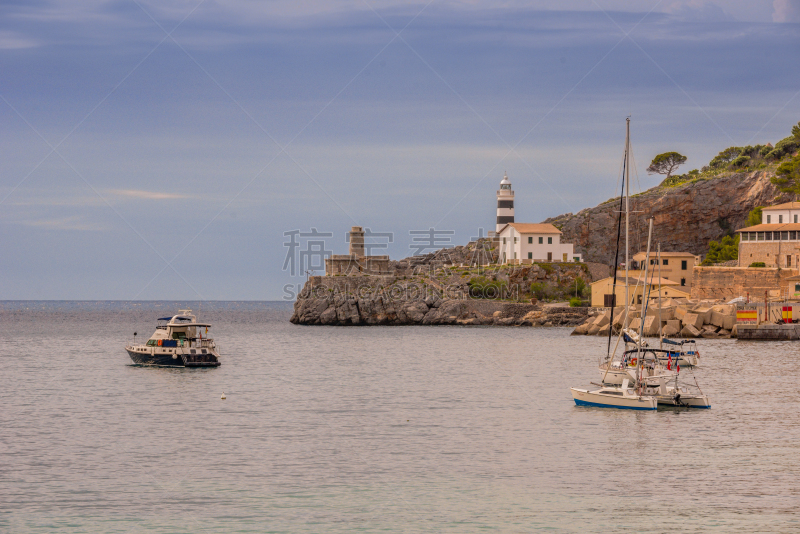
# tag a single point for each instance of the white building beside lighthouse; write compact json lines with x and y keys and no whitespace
{"x":505,"y":204}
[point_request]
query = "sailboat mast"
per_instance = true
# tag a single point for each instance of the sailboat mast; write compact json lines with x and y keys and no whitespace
{"x":660,"y":324}
{"x":627,"y":207}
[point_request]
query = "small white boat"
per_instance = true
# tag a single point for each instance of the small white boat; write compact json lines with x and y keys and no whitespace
{"x":177,"y":342}
{"x":614,"y":397}
{"x":682,"y":395}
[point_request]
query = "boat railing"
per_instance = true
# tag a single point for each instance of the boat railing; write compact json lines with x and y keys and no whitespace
{"x":205,"y":342}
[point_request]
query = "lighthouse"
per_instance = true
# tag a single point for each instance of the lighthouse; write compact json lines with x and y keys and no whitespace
{"x":505,"y":203}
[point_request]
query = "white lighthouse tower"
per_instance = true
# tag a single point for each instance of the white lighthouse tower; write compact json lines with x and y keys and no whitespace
{"x":505,"y":204}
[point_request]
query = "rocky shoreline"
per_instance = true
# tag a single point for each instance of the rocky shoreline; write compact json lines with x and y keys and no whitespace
{"x":365,"y":301}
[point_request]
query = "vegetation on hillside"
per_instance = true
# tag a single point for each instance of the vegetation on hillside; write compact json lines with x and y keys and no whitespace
{"x":783,"y":157}
{"x":787,"y":175}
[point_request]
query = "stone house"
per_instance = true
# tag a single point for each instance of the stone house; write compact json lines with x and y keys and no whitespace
{"x":529,"y":242}
{"x":603,"y":290}
{"x":675,"y":266}
{"x":776,"y":241}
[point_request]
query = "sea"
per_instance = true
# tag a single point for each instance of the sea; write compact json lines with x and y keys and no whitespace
{"x":376,"y":429}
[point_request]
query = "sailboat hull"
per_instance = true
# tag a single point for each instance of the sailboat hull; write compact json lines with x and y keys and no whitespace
{"x":584,"y":397}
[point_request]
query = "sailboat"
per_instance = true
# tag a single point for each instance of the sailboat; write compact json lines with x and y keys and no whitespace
{"x":628,"y":373}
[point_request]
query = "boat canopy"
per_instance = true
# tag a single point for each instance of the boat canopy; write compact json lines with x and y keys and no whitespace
{"x":207,"y":325}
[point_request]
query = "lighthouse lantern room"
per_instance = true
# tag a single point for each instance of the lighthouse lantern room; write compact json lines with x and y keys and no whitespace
{"x":505,"y":203}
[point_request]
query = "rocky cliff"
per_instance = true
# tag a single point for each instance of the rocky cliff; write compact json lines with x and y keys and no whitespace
{"x":686,"y":216}
{"x":442,"y":296}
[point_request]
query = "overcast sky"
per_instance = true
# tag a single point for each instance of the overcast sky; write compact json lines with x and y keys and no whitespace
{"x":161,"y":150}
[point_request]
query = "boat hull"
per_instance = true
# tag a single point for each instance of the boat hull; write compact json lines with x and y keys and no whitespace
{"x":585,"y":397}
{"x":172,"y":359}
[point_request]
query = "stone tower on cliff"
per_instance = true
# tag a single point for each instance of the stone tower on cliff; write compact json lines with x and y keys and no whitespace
{"x":505,"y":203}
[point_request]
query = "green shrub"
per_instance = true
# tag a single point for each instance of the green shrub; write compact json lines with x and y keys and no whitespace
{"x":725,"y":250}
{"x":546,"y":267}
{"x":481,"y":287}
{"x":758,"y":264}
{"x":754,"y":217}
{"x":740,"y":161}
{"x":726,"y":156}
{"x":765,"y":150}
{"x":575,"y":302}
{"x":543,"y":291}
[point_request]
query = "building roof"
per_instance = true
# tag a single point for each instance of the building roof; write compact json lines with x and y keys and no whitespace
{"x":531,"y":228}
{"x":667,"y":254}
{"x":784,"y":206}
{"x":776,"y":227}
{"x":634,"y":279}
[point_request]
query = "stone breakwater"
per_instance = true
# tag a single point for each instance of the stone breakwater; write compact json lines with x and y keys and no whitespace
{"x":677,"y":318}
{"x":389,"y":300}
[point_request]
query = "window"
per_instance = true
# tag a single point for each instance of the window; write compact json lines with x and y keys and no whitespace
{"x":576,"y":259}
{"x":789,"y":260}
{"x":752,"y":236}
{"x":530,"y":240}
{"x":516,"y":240}
{"x":760,"y":236}
{"x":541,"y":240}
{"x":515,"y":255}
{"x":564,"y":257}
{"x":530,"y":255}
{"x":780,"y":219}
{"x":683,"y":265}
{"x":768,"y":236}
{"x":769,"y":219}
{"x":664,"y":262}
{"x":745,"y":236}
{"x":683,"y":281}
{"x":784,"y":236}
{"x":504,"y":240}
{"x":792,"y":236}
{"x":549,"y":240}
{"x":796,"y":286}
{"x":795,"y":218}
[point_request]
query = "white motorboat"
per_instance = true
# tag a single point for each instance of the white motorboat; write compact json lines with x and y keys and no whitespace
{"x":177,"y":342}
{"x":675,"y":394}
{"x":624,"y":397}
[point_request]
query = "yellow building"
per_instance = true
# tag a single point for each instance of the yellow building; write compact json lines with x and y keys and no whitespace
{"x":602,"y":290}
{"x":675,"y":266}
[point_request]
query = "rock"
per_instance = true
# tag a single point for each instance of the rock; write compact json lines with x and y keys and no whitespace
{"x":670,"y":330}
{"x":694,"y":320}
{"x":636,"y":324}
{"x":604,"y":330}
{"x":328,"y":317}
{"x":704,"y":314}
{"x":506,"y":321}
{"x":651,"y":325}
{"x":722,"y":320}
{"x":593,"y":329}
{"x":728,"y":197}
{"x":581,"y":330}
{"x":602,"y":319}
{"x":674,"y":324}
{"x":690,"y":331}
{"x":680,"y":313}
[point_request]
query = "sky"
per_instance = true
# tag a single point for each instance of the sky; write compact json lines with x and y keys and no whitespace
{"x":207,"y":150}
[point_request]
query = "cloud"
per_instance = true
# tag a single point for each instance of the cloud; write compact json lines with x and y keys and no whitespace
{"x":12,"y":40}
{"x":786,"y":11}
{"x":147,"y":195}
{"x":697,"y":10}
{"x":74,"y":222}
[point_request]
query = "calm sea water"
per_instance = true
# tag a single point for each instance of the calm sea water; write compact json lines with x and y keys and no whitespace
{"x":407,"y":429}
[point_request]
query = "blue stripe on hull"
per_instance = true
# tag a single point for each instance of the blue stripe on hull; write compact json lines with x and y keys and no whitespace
{"x":161,"y":360}
{"x":596,"y":405}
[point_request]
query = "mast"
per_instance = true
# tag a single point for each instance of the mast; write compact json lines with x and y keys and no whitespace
{"x":627,"y":208}
{"x":643,"y":312}
{"x":660,"y":329}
